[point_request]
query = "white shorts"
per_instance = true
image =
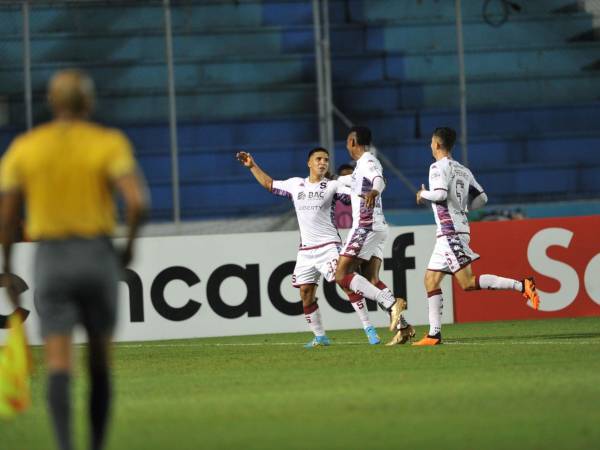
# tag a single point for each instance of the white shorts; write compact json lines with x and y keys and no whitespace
{"x":451,"y":253}
{"x":364,"y":244}
{"x":310,"y":264}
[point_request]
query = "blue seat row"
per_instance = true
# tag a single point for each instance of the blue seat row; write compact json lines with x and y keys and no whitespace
{"x":416,"y":69}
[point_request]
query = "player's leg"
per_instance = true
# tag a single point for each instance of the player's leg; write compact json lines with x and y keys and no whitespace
{"x":98,"y":313}
{"x":435,"y":305}
{"x":58,"y":352}
{"x":99,"y":349}
{"x":306,"y":278}
{"x":372,"y":255}
{"x":360,"y":246}
{"x":443,"y":261}
{"x":58,"y":315}
{"x":312,"y":314}
{"x":327,"y":262}
{"x":469,"y":282}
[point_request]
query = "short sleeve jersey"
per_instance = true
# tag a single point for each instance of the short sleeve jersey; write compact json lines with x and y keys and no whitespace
{"x":367,"y":169}
{"x":65,"y":171}
{"x":315,"y":208}
{"x":461,"y":186}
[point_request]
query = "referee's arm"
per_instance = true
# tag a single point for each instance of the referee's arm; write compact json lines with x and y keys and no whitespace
{"x":132,"y":188}
{"x":9,"y":219}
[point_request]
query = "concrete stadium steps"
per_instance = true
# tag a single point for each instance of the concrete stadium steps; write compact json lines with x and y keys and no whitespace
{"x":523,"y":182}
{"x":510,"y":169}
{"x":530,"y":31}
{"x":488,"y":153}
{"x":139,"y":17}
{"x":524,"y":121}
{"x":218,"y":103}
{"x":378,"y":97}
{"x":527,"y":62}
{"x":430,"y":10}
{"x":411,"y":38}
{"x":408,"y":155}
{"x":193,"y":162}
{"x":355,"y":99}
{"x":257,"y":132}
{"x":215,"y":197}
{"x":76,"y":47}
{"x":135,"y":17}
{"x":245,"y":80}
{"x":184,"y":16}
{"x":430,"y":67}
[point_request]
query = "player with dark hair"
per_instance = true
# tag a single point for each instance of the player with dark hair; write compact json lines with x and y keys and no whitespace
{"x":364,"y":245}
{"x":343,"y":211}
{"x":314,"y":200}
{"x":65,"y":172}
{"x":345,"y":169}
{"x":453,"y":190}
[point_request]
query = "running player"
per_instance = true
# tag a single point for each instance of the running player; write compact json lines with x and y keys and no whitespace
{"x":452,"y":191}
{"x":314,"y":199}
{"x":364,"y":246}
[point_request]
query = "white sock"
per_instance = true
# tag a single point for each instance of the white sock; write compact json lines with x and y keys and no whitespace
{"x":386,"y":293}
{"x":499,"y":283}
{"x":361,"y":286}
{"x":313,"y":318}
{"x":360,"y":306}
{"x":435,"y":303}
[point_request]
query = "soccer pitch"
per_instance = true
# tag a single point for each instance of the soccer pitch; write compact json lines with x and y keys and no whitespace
{"x":518,"y":385}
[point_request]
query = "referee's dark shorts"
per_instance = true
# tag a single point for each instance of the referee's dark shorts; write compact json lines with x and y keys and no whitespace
{"x":76,"y":283}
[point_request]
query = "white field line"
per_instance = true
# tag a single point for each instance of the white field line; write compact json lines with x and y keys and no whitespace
{"x":343,"y":343}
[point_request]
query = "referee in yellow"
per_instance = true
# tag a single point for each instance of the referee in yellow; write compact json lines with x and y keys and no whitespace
{"x":65,"y":172}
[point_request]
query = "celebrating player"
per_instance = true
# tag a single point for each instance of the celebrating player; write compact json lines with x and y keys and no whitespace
{"x":314,"y":198}
{"x":452,"y":191}
{"x":364,"y":245}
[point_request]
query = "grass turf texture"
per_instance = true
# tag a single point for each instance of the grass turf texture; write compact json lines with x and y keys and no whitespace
{"x":529,"y":384}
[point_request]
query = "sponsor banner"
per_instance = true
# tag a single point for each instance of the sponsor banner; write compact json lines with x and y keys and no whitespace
{"x":224,"y":285}
{"x":563,"y":255}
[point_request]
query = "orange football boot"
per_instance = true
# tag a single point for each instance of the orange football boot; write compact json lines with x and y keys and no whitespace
{"x":429,"y":340}
{"x":530,"y":292}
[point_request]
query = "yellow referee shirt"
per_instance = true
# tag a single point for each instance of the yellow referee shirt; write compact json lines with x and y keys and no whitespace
{"x":65,"y":170}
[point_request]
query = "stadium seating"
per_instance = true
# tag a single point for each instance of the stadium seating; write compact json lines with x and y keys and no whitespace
{"x":245,"y":79}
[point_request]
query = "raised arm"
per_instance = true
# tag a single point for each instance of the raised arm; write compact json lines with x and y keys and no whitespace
{"x":261,"y":176}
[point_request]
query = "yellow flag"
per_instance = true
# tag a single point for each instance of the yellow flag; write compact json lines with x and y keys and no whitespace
{"x":15,"y":370}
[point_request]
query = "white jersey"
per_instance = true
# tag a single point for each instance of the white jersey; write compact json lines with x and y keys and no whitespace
{"x":315,"y":208}
{"x":367,"y":169}
{"x":461,"y":186}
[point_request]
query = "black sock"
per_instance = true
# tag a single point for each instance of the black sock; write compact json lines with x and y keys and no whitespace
{"x":59,"y":402}
{"x":100,"y":394}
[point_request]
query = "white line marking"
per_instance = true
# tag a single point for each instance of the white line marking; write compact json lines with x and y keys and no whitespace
{"x":343,"y":343}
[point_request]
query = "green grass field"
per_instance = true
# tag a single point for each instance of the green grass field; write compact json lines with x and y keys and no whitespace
{"x":518,"y":385}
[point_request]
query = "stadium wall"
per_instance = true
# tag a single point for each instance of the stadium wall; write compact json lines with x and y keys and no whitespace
{"x":219,"y":285}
